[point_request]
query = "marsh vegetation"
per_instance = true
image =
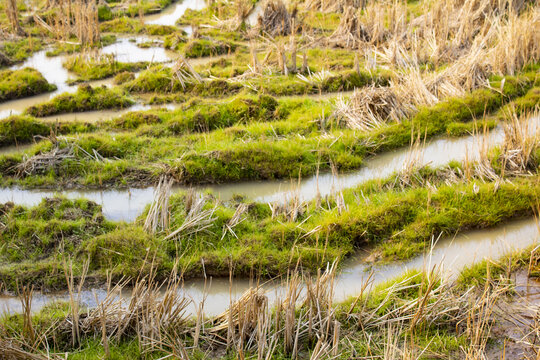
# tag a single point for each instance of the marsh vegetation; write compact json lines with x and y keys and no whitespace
{"x":177,"y":97}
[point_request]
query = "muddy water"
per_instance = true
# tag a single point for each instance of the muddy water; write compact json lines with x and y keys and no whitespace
{"x":16,"y":107}
{"x":171,"y":14}
{"x":127,"y":204}
{"x":101,"y":115}
{"x":125,"y":50}
{"x":14,"y":149}
{"x":451,"y":254}
{"x":50,"y":67}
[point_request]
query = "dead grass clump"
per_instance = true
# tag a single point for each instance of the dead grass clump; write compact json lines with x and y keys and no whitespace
{"x":516,"y":155}
{"x":290,"y":207}
{"x":53,"y":159}
{"x":72,"y":18}
{"x":158,"y":216}
{"x":517,"y":42}
{"x":473,"y":39}
{"x":154,"y":313}
{"x":86,"y":22}
{"x":197,"y":218}
{"x":375,"y":19}
{"x":243,"y":320}
{"x":42,"y":163}
{"x":332,"y":5}
{"x":409,"y":174}
{"x":235,"y":23}
{"x":370,"y":107}
{"x":237,"y":218}
{"x":350,"y":33}
{"x":520,"y":142}
{"x":184,"y":73}
{"x":430,"y":299}
{"x":275,"y":19}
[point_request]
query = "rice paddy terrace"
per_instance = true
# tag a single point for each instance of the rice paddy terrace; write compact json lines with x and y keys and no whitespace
{"x":269,"y":179}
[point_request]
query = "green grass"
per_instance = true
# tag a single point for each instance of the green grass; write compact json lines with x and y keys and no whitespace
{"x":85,"y":99}
{"x":18,"y":129}
{"x":232,"y":140}
{"x":36,"y":237}
{"x":74,"y":47}
{"x":94,"y":69}
{"x":17,"y":51}
{"x":16,"y":84}
{"x":159,"y":79}
{"x":197,"y":48}
{"x":125,"y":25}
{"x":400,"y":223}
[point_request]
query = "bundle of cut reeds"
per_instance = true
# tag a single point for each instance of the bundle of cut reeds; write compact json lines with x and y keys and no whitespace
{"x":185,"y":73}
{"x":197,"y":218}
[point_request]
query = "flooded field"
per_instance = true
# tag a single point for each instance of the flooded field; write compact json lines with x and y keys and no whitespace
{"x":269,"y":179}
{"x":126,"y":205}
{"x":450,"y":254}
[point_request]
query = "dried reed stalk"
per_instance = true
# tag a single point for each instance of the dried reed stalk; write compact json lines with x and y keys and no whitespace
{"x":158,"y":214}
{"x":86,"y":22}
{"x":12,"y":12}
{"x":196,"y":220}
{"x":370,"y":107}
{"x":185,"y":73}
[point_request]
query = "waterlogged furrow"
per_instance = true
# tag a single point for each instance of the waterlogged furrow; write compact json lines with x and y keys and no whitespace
{"x":267,"y":240}
{"x":242,"y":140}
{"x":52,"y":68}
{"x":451,"y":254}
{"x":126,"y":205}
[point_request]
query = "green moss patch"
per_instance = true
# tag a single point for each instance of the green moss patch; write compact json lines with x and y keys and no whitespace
{"x":16,"y":84}
{"x":85,"y":99}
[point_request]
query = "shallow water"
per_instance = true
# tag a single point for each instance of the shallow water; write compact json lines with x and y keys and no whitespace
{"x":451,"y":254}
{"x":14,"y":149}
{"x":101,"y":115}
{"x":171,"y":14}
{"x":53,"y":70}
{"x":50,"y":67}
{"x":126,"y":50}
{"x":16,"y":107}
{"x":128,"y":204}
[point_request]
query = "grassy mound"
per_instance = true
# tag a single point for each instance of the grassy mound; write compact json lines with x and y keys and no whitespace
{"x":16,"y":84}
{"x":85,"y":99}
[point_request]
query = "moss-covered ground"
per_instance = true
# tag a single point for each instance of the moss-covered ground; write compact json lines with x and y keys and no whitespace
{"x":22,"y":83}
{"x":235,"y":102}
